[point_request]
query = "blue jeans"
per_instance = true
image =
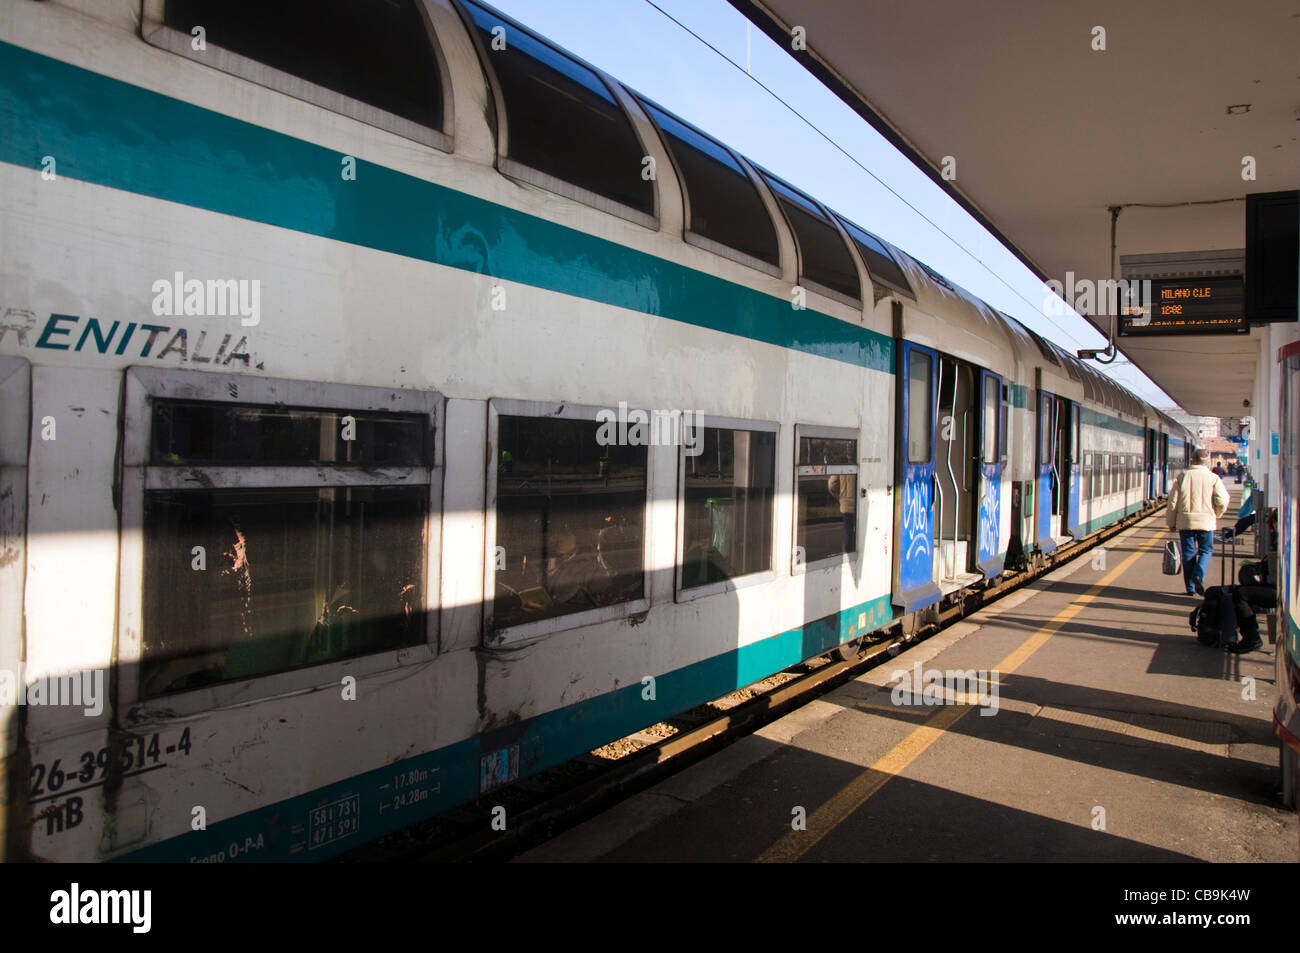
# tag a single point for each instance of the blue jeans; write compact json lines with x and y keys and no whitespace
{"x":1198,"y":550}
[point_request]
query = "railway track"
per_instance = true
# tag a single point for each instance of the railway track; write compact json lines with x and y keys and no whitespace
{"x":541,"y":807}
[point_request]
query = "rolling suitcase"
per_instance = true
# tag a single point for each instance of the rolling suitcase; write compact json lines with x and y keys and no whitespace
{"x":1227,"y":536}
{"x":1215,"y":620}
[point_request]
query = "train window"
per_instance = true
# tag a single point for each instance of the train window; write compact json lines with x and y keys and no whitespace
{"x":920,"y":413}
{"x":1044,"y":348}
{"x":723,"y":203}
{"x":824,"y":258}
{"x":729,"y":488}
{"x":561,"y":119}
{"x":992,"y":406}
{"x":280,"y":532}
{"x":375,"y":60}
{"x":826,"y":481}
{"x":570,"y":517}
{"x":1089,"y":391}
{"x":195,"y":433}
{"x":937,"y":278}
{"x":1085,"y":484}
{"x":1044,"y":428}
{"x":880,"y":263}
{"x":1002,"y":423}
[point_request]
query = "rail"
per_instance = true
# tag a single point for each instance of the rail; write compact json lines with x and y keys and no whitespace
{"x":553,"y":810}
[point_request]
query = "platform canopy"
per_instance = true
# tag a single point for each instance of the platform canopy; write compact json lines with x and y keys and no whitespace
{"x":1049,"y":132}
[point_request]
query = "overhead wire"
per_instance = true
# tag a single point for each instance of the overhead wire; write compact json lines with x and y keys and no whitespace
{"x":1037,"y":310}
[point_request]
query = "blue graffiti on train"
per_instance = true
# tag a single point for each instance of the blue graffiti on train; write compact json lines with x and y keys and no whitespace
{"x":990,"y":504}
{"x":916,"y":517}
{"x":60,"y":333}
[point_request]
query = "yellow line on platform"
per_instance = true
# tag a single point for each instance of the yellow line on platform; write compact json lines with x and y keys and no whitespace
{"x":794,"y":844}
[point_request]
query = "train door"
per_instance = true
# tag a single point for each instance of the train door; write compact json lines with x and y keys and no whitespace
{"x":1048,"y":522}
{"x":914,"y":556}
{"x":1150,"y":468}
{"x":1163,"y":480}
{"x":1070,"y":467}
{"x":990,"y":475}
{"x":957,"y":491}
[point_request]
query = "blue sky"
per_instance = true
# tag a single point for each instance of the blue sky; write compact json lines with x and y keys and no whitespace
{"x":882,"y":190}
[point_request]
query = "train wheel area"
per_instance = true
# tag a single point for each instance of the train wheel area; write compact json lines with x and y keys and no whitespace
{"x":1075,"y":720}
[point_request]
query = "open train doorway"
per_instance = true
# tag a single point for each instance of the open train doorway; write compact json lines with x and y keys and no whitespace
{"x":1057,"y":476}
{"x":959,"y":476}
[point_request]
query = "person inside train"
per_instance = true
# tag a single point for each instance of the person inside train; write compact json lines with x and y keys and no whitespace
{"x":843,"y":488}
{"x":1196,"y":502}
{"x":575,"y":577}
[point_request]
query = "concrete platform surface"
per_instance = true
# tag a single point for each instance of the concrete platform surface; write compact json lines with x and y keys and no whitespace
{"x":1105,"y":732}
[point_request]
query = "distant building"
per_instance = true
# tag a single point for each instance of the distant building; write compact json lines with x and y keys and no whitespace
{"x":1222,"y":450}
{"x":1205,"y":428}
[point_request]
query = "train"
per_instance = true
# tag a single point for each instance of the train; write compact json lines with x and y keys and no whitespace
{"x":399,"y":412}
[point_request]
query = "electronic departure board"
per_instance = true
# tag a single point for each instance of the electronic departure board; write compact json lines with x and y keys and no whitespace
{"x":1189,"y":306}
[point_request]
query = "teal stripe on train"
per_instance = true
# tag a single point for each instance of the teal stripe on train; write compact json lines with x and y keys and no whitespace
{"x":110,"y":133}
{"x":1098,"y":419}
{"x":1091,"y":526}
{"x":1087,"y":415}
{"x":349,"y":813}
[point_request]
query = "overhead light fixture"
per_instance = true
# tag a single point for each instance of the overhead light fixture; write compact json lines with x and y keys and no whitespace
{"x":1239,"y":109}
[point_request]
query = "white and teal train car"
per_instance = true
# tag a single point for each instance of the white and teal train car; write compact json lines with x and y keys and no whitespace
{"x":404,"y":408}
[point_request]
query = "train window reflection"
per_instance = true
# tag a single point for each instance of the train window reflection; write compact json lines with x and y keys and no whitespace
{"x":880,"y":263}
{"x":992,"y":408}
{"x":570,"y":519}
{"x":295,"y":577}
{"x":823,"y":256}
{"x":378,"y":52}
{"x":827,"y":487}
{"x":729,"y":493}
{"x":561,"y":118}
{"x":920,"y":415}
{"x":279,"y":538}
{"x":725,"y":207}
{"x":196,"y":432}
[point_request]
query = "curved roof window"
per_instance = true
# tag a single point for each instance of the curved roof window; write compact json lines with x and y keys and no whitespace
{"x":880,"y":263}
{"x":379,"y":53}
{"x":1044,"y":347}
{"x":723,"y":205}
{"x":561,"y":120}
{"x":1089,"y":388}
{"x":824,"y":258}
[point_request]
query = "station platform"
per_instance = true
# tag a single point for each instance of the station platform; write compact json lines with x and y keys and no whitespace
{"x":1109,"y":734}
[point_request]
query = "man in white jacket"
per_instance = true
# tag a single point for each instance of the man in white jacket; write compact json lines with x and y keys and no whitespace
{"x":1196,"y":502}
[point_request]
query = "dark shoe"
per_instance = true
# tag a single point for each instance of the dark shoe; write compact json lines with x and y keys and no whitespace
{"x":1241,"y":648}
{"x":1200,"y":589}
